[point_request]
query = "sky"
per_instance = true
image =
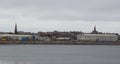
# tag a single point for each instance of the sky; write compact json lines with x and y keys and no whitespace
{"x":60,"y":15}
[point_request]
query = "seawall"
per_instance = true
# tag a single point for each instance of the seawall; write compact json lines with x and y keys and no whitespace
{"x":61,"y":42}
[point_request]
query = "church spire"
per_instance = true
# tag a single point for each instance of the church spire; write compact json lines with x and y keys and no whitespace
{"x":15,"y":29}
{"x":94,"y":31}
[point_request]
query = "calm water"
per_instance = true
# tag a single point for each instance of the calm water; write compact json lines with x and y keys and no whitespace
{"x":59,"y":54}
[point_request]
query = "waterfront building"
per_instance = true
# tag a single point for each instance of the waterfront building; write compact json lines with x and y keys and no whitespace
{"x":18,"y":37}
{"x":63,"y":39}
{"x":97,"y":37}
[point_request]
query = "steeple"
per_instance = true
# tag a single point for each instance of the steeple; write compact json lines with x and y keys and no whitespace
{"x":94,"y":30}
{"x":15,"y":29}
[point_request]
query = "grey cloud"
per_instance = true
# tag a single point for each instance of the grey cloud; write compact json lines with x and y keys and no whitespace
{"x":108,"y":10}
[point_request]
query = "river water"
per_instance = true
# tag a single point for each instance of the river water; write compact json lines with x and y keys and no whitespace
{"x":59,"y":54}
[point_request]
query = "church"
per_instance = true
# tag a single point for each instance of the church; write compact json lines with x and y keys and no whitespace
{"x":16,"y":36}
{"x":96,"y":36}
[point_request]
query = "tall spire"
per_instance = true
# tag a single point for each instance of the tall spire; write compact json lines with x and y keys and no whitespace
{"x":94,"y":29}
{"x":16,"y":29}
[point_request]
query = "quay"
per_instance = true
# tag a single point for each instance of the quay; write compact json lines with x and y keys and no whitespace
{"x":59,"y":43}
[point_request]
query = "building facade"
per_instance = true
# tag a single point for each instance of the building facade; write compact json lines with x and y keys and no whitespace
{"x":9,"y":37}
{"x":97,"y":37}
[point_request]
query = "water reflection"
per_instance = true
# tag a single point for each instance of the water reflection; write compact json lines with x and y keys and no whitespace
{"x":14,"y":62}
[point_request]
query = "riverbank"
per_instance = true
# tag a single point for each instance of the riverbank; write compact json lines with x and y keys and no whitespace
{"x":60,"y":43}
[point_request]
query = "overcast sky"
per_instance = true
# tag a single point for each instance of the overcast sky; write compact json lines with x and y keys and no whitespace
{"x":60,"y":15}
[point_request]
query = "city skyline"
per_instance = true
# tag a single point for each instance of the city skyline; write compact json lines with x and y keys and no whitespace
{"x":93,"y":31}
{"x":60,"y":15}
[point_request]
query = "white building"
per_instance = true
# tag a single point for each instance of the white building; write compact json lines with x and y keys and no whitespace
{"x":97,"y":37}
{"x":14,"y":36}
{"x":45,"y":38}
{"x":63,"y":38}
